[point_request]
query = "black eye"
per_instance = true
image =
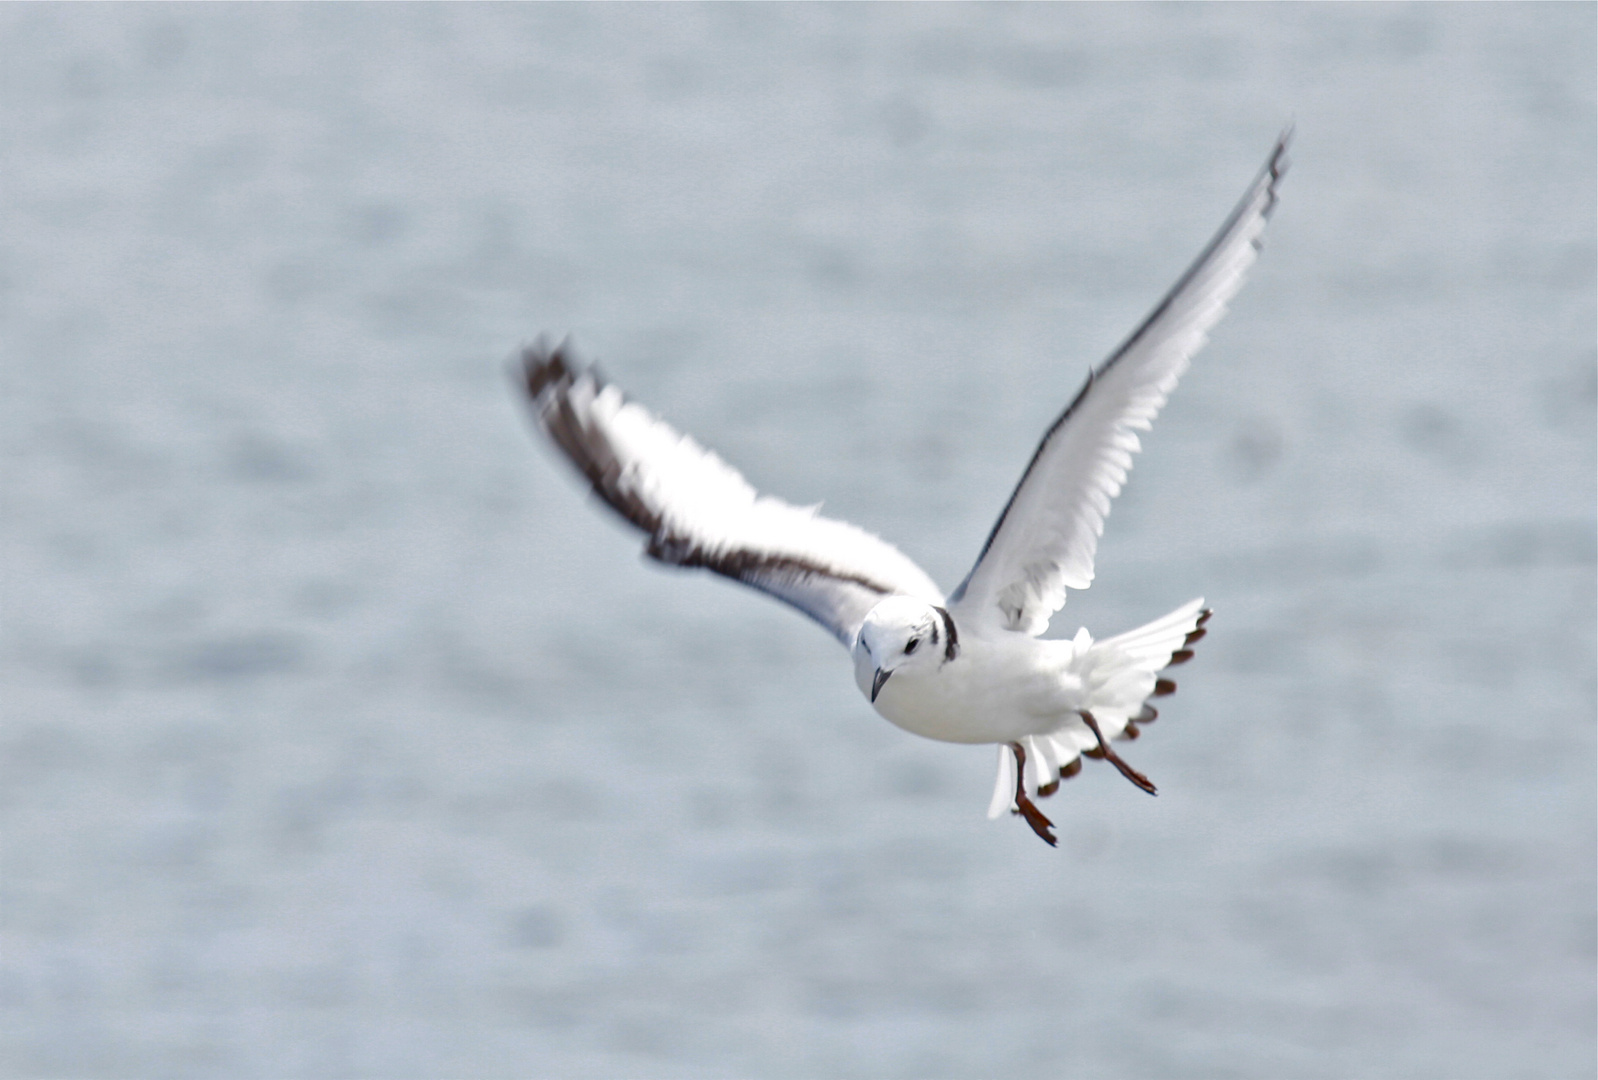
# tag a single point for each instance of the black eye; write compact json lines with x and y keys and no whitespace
{"x":910,"y":648}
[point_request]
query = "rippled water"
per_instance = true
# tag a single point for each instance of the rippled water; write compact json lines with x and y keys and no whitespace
{"x":343,"y":737}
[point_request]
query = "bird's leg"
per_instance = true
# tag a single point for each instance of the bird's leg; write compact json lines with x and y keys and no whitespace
{"x":1025,"y":806}
{"x":1115,"y":759}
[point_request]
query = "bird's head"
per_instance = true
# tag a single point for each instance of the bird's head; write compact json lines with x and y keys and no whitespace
{"x":902,"y":634}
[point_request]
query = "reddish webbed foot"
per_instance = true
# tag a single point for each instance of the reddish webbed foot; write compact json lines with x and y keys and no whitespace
{"x":1113,"y":758}
{"x":1025,"y":806}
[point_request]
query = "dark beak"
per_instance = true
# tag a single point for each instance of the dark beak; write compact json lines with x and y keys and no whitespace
{"x":876,"y":682}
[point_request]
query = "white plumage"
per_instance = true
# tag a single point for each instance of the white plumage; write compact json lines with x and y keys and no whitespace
{"x":973,"y":669}
{"x":699,"y":511}
{"x":1045,"y":541}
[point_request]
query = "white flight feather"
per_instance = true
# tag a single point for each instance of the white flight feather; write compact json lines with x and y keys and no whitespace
{"x":707,"y":507}
{"x":1048,"y":535}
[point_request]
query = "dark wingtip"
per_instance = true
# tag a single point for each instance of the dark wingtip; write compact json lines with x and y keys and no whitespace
{"x":1277,"y":168}
{"x":544,"y":363}
{"x":1163,"y":688}
{"x":1280,"y":162}
{"x":547,"y":363}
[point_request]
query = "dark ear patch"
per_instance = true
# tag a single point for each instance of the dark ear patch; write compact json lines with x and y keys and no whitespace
{"x":952,"y":649}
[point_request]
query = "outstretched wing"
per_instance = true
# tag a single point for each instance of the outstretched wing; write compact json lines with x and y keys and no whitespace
{"x":699,"y":512}
{"x":1045,"y":540}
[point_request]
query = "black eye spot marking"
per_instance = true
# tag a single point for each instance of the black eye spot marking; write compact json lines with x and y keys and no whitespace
{"x":952,"y":649}
{"x":910,"y":648}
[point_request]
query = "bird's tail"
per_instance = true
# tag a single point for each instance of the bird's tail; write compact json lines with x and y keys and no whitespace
{"x":1120,"y":675}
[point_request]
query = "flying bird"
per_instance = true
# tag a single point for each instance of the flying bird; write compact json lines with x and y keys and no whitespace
{"x":969,"y":667}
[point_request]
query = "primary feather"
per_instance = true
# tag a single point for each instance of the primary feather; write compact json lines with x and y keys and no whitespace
{"x":698,"y":511}
{"x":1048,"y":534}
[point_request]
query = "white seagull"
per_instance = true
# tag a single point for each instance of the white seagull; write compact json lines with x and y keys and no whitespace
{"x":969,"y":668}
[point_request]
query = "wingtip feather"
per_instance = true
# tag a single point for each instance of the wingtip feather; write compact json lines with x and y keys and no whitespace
{"x":543,"y":364}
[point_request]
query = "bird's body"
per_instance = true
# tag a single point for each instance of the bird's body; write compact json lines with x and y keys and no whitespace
{"x":1008,"y":687}
{"x":969,"y":668}
{"x":1001,"y":689}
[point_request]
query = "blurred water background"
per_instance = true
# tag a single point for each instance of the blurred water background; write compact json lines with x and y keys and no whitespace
{"x":344,"y":737}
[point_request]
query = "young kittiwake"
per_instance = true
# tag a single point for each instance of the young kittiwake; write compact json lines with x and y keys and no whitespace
{"x":969,"y":668}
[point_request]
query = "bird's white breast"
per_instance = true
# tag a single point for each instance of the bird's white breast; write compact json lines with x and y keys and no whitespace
{"x":994,"y":691}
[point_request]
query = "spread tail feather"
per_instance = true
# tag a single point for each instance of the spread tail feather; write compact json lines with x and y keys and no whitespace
{"x":1122,"y":673}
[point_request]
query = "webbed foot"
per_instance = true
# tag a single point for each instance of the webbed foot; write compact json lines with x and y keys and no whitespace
{"x":1025,"y":806}
{"x":1113,"y":758}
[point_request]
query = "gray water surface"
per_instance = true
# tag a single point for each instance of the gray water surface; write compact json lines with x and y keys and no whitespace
{"x":343,"y":736}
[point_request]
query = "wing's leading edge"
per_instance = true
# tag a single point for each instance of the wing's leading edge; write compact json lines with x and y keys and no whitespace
{"x":1048,"y":534}
{"x":699,"y":512}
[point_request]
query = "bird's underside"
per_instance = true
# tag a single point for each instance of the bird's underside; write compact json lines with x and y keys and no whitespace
{"x":696,"y":511}
{"x":1022,"y":804}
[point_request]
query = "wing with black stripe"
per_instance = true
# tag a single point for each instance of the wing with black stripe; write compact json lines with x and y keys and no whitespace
{"x":697,"y":511}
{"x":1047,"y":536}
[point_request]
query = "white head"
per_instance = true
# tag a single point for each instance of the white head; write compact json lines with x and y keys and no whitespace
{"x":902,"y":634}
